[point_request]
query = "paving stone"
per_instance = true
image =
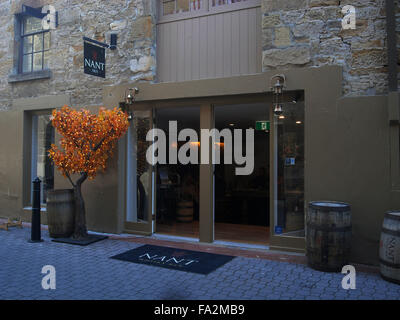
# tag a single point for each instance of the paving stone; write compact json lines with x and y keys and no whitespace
{"x":89,"y":273}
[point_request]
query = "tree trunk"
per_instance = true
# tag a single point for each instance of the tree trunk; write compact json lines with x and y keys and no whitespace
{"x":80,"y":231}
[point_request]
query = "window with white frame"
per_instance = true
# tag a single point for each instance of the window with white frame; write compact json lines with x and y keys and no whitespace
{"x":216,"y":3}
{"x":174,"y":7}
{"x":179,"y":6}
{"x":35,"y":45}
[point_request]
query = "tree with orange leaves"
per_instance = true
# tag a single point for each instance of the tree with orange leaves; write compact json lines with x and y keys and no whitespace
{"x":87,"y":142}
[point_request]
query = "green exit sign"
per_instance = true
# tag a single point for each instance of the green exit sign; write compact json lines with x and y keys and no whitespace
{"x":262,"y":125}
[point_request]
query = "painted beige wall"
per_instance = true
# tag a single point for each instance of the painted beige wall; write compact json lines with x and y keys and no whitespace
{"x":11,"y":124}
{"x":347,"y":144}
{"x":13,"y":127}
{"x":100,"y":194}
{"x":347,"y":150}
{"x":359,"y":170}
{"x":347,"y":139}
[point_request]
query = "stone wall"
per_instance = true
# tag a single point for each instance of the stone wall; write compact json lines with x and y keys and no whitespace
{"x":133,"y":60}
{"x":295,"y":33}
{"x":303,"y":33}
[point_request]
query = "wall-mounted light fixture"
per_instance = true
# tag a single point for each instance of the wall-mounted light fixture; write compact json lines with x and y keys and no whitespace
{"x":130,"y":99}
{"x":113,"y":41}
{"x":278,"y":82}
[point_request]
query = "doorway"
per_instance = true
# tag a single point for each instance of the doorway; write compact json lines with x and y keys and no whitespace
{"x":139,"y":178}
{"x":177,"y":182}
{"x":210,"y":201}
{"x":241,"y":201}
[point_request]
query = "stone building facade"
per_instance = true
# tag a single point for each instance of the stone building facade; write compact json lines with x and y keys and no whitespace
{"x":301,"y":33}
{"x":134,"y":60}
{"x":295,"y":33}
{"x":351,"y":118}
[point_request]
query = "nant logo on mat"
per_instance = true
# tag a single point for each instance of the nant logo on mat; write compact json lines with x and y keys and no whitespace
{"x":175,"y":259}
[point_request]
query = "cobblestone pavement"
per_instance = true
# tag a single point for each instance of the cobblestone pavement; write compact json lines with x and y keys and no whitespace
{"x":89,"y":273}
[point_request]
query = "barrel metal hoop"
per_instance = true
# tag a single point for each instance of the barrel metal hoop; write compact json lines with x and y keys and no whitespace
{"x":391,"y":232}
{"x":60,"y":191}
{"x":329,"y":209}
{"x":390,"y":264}
{"x":389,"y":279}
{"x":392,"y":217}
{"x":328,"y":229}
{"x":344,"y":206}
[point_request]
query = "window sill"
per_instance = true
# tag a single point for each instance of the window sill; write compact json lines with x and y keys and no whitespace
{"x":43,"y":74}
{"x":42,"y":209}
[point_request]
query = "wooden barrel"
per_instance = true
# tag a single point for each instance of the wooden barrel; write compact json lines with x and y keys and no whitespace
{"x":60,"y":212}
{"x":389,"y":249}
{"x":328,"y":235}
{"x":185,"y":211}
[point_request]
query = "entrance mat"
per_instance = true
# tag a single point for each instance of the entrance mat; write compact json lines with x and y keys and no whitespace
{"x":173,"y":258}
{"x":90,"y":239}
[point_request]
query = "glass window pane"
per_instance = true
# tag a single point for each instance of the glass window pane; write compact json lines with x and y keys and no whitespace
{"x":47,"y":40}
{"x":168,"y":7}
{"x":179,"y":6}
{"x":242,"y":202}
{"x":27,"y":63}
{"x":44,"y":167}
{"x":38,"y":42}
{"x":183,"y":5}
{"x":289,"y":144}
{"x":215,"y":3}
{"x":46,"y":60}
{"x":196,"y":5}
{"x":27,"y":44}
{"x":177,"y":185}
{"x":139,"y":170}
{"x":32,"y":24}
{"x":37,"y":61}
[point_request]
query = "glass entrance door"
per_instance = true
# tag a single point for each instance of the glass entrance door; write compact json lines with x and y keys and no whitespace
{"x":288,"y":177}
{"x":242,"y":197}
{"x":139,"y":175}
{"x":177,"y":175}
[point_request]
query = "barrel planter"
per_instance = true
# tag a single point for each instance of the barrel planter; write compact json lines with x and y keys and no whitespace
{"x":389,"y":249}
{"x":328,"y":235}
{"x":184,"y":211}
{"x":60,"y":212}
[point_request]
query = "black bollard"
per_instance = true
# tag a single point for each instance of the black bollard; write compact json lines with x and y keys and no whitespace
{"x":35,"y":229}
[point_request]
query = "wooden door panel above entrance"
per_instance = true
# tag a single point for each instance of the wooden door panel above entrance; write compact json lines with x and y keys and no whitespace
{"x":217,"y":45}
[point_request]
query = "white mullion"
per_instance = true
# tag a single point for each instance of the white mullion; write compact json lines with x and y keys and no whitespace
{"x":34,"y":150}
